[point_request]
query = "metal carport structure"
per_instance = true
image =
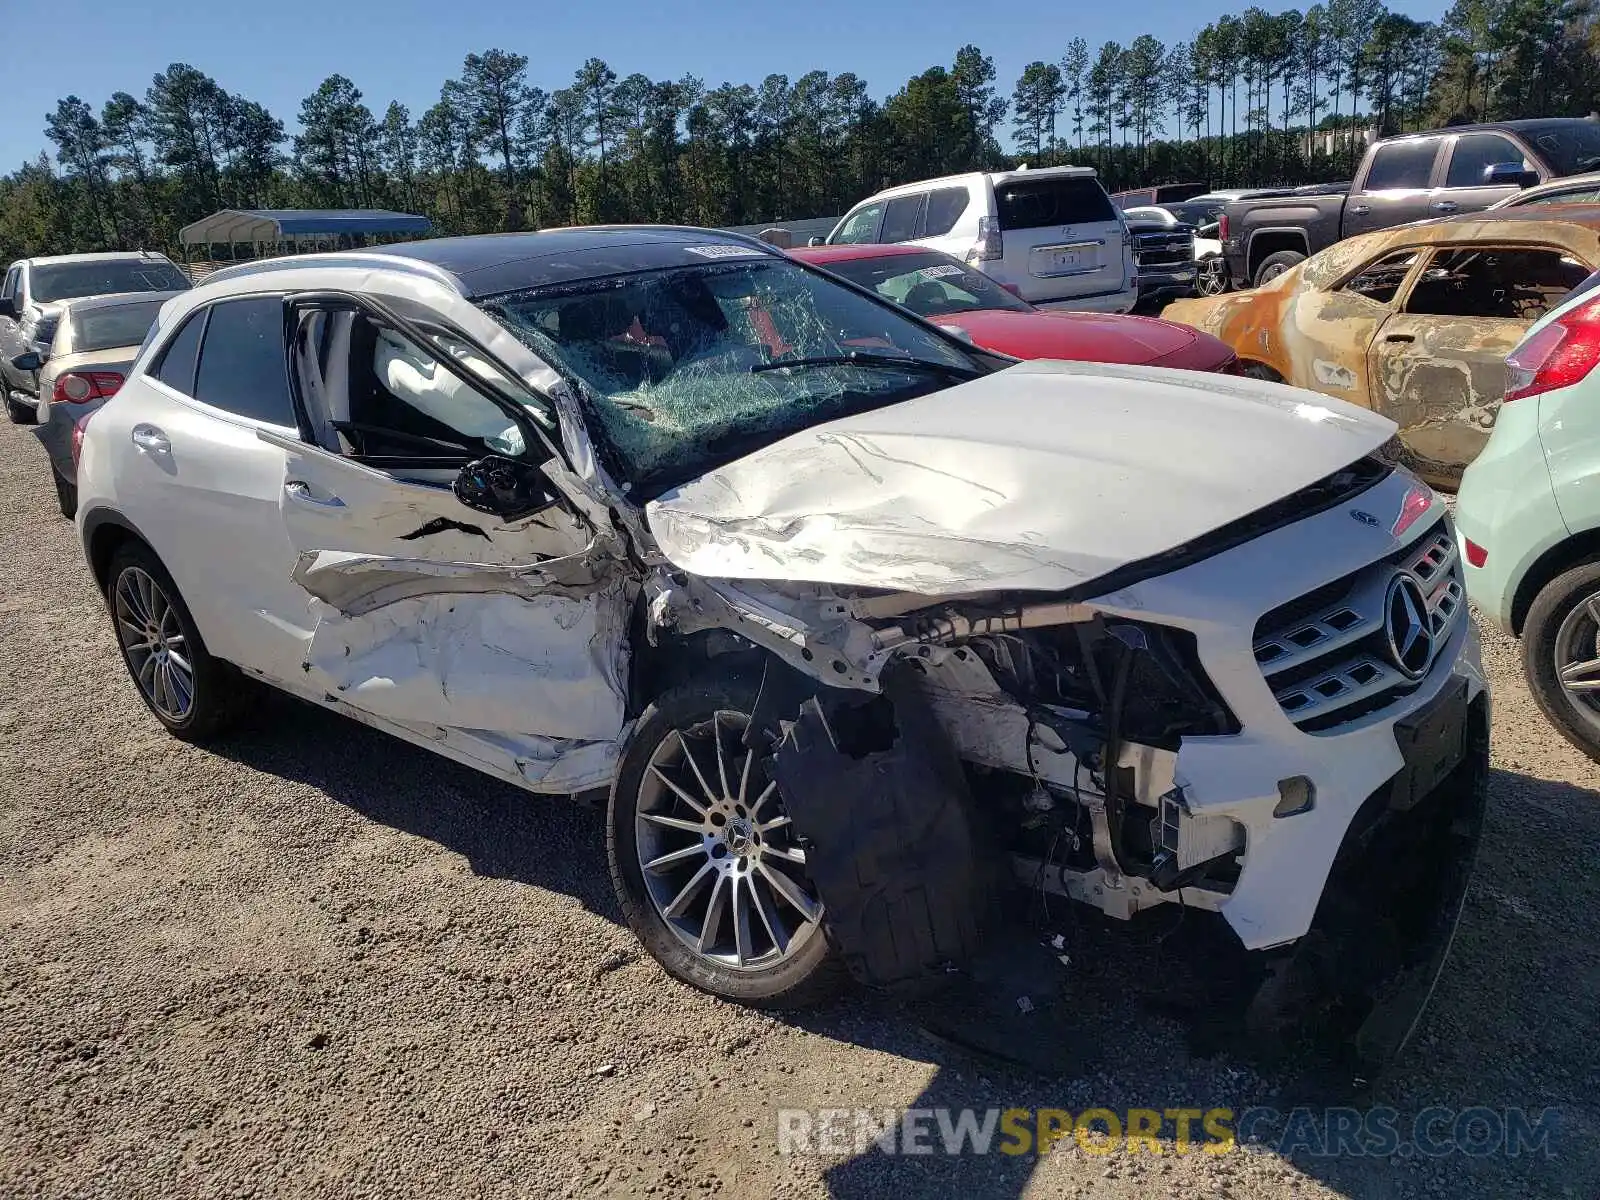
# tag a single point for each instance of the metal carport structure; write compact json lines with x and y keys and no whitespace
{"x":291,"y":229}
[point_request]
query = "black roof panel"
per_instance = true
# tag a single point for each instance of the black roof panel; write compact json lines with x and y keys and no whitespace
{"x":492,"y":264}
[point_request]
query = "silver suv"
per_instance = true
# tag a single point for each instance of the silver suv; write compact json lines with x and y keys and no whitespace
{"x":1052,"y":235}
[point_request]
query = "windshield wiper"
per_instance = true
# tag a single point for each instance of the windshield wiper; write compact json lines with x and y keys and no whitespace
{"x":857,"y":359}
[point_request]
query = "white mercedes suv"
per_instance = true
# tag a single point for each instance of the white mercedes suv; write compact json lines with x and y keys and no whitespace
{"x":856,"y":622}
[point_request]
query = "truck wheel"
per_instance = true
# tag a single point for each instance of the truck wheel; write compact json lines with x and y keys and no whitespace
{"x":706,"y":865}
{"x":1561,"y":655}
{"x":1276,"y":264}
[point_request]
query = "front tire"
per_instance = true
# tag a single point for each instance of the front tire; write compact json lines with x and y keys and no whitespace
{"x":1561,"y":655}
{"x":188,"y":691}
{"x":20,"y":414}
{"x":706,"y":866}
{"x":1276,"y":264}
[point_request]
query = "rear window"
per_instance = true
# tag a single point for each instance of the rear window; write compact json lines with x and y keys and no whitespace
{"x":1570,"y":147}
{"x":63,"y":281}
{"x":109,"y":328}
{"x":1035,"y":203}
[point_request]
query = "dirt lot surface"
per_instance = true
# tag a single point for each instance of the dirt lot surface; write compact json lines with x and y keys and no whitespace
{"x":311,"y":960}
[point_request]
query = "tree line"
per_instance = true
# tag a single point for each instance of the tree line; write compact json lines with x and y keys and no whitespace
{"x":1254,"y":98}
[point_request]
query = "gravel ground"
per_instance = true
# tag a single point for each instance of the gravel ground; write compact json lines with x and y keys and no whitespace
{"x":314,"y":960}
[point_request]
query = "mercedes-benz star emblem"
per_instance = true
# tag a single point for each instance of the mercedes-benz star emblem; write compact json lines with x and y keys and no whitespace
{"x":1407,"y":627}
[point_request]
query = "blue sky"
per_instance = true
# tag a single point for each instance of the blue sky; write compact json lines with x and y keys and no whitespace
{"x":277,"y":51}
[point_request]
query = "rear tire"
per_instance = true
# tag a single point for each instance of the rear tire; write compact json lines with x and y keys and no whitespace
{"x":66,"y":496}
{"x":20,"y":414}
{"x":191,"y":693}
{"x":1563,"y":632}
{"x":732,"y":850}
{"x":1276,"y":264}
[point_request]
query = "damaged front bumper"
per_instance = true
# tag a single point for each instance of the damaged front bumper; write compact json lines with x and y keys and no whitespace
{"x":1277,"y":808}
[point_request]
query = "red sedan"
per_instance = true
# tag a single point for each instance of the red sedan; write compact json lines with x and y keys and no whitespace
{"x":948,"y":292}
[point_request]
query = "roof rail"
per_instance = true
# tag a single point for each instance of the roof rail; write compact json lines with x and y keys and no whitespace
{"x":341,"y":258}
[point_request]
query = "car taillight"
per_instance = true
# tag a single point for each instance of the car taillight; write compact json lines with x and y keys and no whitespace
{"x":1557,"y":356}
{"x":78,"y":427}
{"x":990,"y":244}
{"x":74,"y":387}
{"x":1222,"y":228}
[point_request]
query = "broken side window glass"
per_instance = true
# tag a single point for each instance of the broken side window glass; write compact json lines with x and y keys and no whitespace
{"x":388,"y":397}
{"x":1381,"y":279}
{"x":1519,"y":284}
{"x":677,"y":366}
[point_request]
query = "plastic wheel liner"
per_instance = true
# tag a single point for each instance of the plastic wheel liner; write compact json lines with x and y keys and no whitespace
{"x":908,"y":876}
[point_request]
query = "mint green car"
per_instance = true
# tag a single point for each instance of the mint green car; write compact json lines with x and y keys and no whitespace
{"x":1528,"y":514}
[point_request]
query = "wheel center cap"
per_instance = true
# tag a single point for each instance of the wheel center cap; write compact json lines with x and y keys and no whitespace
{"x":741,"y":835}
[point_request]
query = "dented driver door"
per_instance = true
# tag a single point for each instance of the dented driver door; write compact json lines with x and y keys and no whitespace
{"x":1333,"y":328}
{"x":498,"y":633}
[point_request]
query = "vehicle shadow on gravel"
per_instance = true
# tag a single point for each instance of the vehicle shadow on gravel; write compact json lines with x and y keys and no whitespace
{"x":1511,"y":1025}
{"x":502,"y":831}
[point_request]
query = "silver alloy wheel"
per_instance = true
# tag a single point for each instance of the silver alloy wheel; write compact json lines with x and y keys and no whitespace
{"x":1577,"y":654}
{"x":718,"y":852}
{"x":1213,"y":277}
{"x":152,"y":637}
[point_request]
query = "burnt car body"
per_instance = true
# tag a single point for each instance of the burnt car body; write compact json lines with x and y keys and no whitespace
{"x":1413,"y":322}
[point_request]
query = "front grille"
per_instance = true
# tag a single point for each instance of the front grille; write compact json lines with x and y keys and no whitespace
{"x":1164,"y":250}
{"x":1326,"y":654}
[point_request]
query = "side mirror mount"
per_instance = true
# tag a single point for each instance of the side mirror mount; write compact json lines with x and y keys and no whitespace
{"x":8,"y":307}
{"x":28,"y":361}
{"x":816,"y":241}
{"x":1509,"y":174}
{"x":504,"y":487}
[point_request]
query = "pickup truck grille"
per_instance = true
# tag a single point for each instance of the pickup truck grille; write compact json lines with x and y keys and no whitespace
{"x":1164,"y":249}
{"x":1326,"y":655}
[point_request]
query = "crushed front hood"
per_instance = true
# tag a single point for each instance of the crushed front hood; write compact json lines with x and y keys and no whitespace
{"x":1043,"y":476}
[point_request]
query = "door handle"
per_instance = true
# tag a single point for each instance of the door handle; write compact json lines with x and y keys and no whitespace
{"x":1445,"y":206}
{"x":299,"y":489}
{"x":151,"y":440}
{"x":1400,"y":337}
{"x":1361,"y":209}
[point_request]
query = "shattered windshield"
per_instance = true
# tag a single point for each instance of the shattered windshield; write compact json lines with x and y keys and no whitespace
{"x":930,"y":284}
{"x":682,"y":370}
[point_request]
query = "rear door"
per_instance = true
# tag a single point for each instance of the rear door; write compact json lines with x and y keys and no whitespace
{"x":484,"y":628}
{"x":1470,"y":155}
{"x":1438,"y":364}
{"x":1062,"y":238}
{"x":1397,"y":187}
{"x":196,"y":480}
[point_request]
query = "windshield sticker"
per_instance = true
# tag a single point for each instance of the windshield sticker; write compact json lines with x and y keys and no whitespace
{"x":941,"y":270}
{"x":722,"y":251}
